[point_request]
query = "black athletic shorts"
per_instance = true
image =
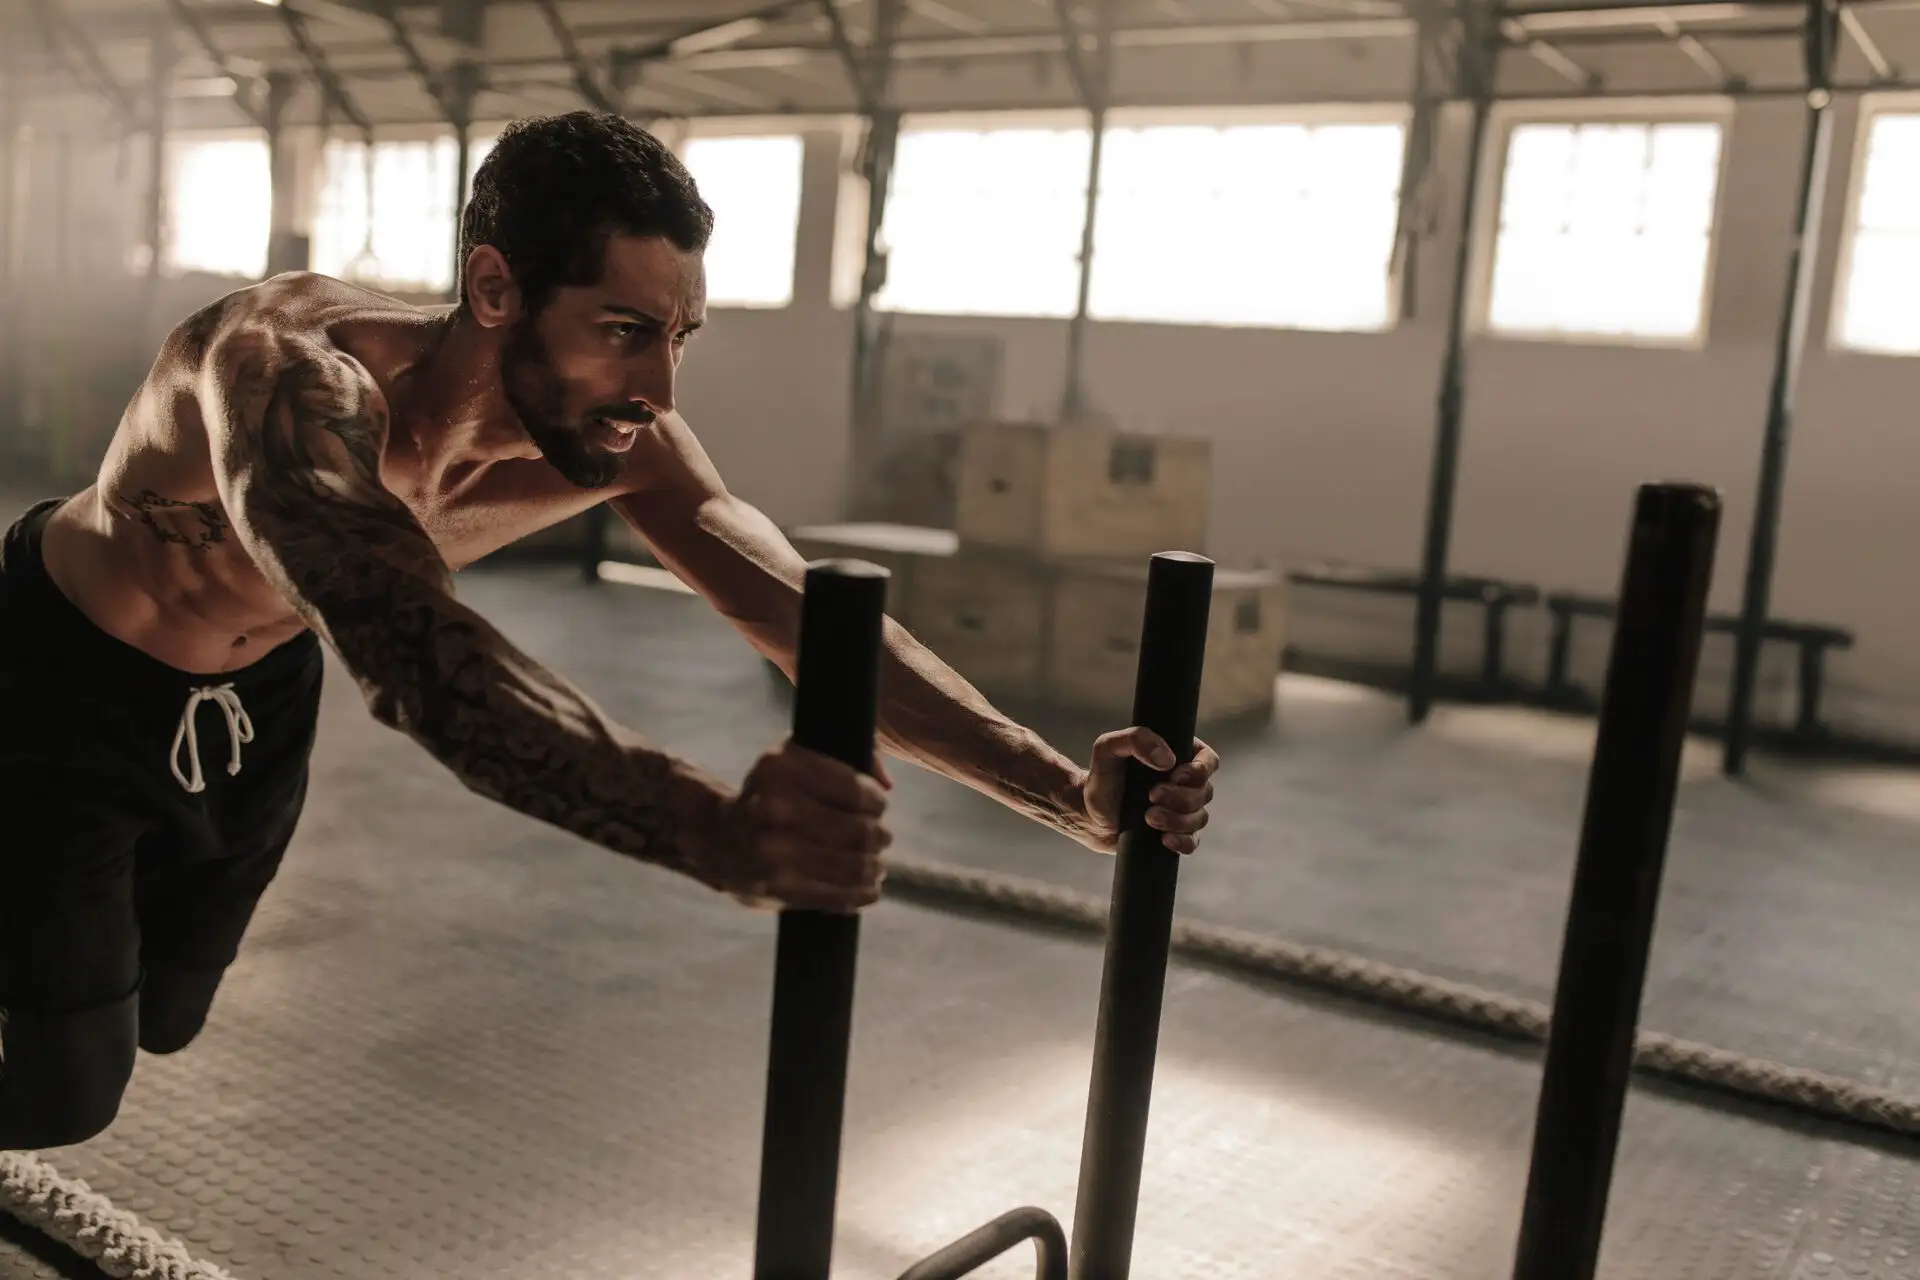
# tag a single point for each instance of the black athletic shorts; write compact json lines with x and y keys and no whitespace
{"x":143,"y":810}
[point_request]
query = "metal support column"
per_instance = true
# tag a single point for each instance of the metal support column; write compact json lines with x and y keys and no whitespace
{"x":463,"y":85}
{"x":1095,"y":82}
{"x":9,"y":166}
{"x":58,"y":364}
{"x":284,"y":253}
{"x":159,"y":80}
{"x":870,"y":68}
{"x":1821,"y":42}
{"x":1476,"y":60}
{"x":12,"y":439}
{"x":62,"y":215}
{"x":9,"y":135}
{"x":876,"y":163}
{"x":1425,"y":104}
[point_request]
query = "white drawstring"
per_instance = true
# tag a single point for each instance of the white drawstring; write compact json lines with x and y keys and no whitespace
{"x":239,"y":730}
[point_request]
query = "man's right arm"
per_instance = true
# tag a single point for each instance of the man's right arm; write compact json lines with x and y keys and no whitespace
{"x":298,"y":430}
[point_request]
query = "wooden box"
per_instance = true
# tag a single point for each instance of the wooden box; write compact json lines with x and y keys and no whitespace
{"x":899,"y":548}
{"x":985,"y":616}
{"x":912,"y":481}
{"x":1094,"y":641}
{"x":1064,"y":493}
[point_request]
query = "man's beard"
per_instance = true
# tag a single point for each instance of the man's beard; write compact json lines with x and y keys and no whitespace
{"x":535,"y":393}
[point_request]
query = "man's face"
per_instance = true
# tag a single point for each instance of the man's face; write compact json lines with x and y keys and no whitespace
{"x":597,"y":363}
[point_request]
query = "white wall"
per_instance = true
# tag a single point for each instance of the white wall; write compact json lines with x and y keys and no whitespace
{"x":1323,"y":441}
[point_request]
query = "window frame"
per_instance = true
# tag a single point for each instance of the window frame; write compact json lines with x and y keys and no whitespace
{"x":851,"y":197}
{"x":1504,"y":119}
{"x":315,"y":181}
{"x":1871,"y":107}
{"x":172,"y":270}
{"x":676,"y":134}
{"x":850,"y":211}
{"x":1310,"y":114}
{"x":384,"y":134}
{"x":967,"y":120}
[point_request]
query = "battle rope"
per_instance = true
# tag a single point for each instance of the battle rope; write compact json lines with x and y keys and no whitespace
{"x":86,"y":1222}
{"x":1411,"y":992}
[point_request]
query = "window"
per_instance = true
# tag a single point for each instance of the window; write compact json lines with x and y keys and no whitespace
{"x":1286,"y":225}
{"x":1881,"y":273}
{"x":753,"y":186}
{"x":986,"y":222}
{"x":1605,"y":230}
{"x":219,"y":206}
{"x":401,"y":234}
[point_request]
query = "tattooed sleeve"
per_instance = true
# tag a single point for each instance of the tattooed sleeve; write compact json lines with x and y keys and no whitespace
{"x":298,"y":440}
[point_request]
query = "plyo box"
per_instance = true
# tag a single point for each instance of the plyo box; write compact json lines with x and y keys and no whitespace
{"x":901,"y":549}
{"x":985,"y":616}
{"x":1065,"y":493}
{"x":1061,"y":633}
{"x":1094,"y":641}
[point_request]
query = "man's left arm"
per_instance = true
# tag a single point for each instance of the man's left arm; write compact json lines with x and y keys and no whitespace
{"x":742,"y":564}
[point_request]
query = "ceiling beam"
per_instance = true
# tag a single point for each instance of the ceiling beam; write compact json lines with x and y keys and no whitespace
{"x":356,"y":61}
{"x":243,"y":77}
{"x":331,"y":89}
{"x":59,"y":30}
{"x":1792,"y":90}
{"x":1621,"y":37}
{"x":948,"y":16}
{"x":1697,"y":53}
{"x":1695,"y":12}
{"x":430,"y":81}
{"x":676,"y":55}
{"x":695,"y":82}
{"x":1073,"y":46}
{"x":1549,"y":55}
{"x":584,"y":81}
{"x":1856,"y":29}
{"x":850,"y":56}
{"x":356,"y":16}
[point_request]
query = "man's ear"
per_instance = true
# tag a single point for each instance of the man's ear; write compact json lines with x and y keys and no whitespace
{"x":492,"y":297}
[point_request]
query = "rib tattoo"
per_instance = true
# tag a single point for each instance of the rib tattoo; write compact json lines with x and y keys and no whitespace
{"x":146,"y":505}
{"x":303,"y":444}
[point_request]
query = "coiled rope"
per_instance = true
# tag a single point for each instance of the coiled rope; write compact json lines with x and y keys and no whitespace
{"x":1408,"y":991}
{"x":86,"y":1222}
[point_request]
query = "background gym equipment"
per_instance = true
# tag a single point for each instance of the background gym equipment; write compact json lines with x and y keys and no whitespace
{"x":1631,"y":788}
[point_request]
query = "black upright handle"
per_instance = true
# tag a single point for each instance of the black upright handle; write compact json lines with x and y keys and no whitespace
{"x":836,"y":704}
{"x":1644,"y":715}
{"x":1166,"y":699}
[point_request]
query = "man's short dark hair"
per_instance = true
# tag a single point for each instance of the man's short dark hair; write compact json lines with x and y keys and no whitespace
{"x":554,"y":188}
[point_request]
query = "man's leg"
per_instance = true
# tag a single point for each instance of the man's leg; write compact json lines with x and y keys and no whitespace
{"x":198,"y":890}
{"x":69,"y":941}
{"x":193,"y":917}
{"x":69,"y":965}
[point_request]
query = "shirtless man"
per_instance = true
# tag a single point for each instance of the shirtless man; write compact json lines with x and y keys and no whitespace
{"x":309,"y":462}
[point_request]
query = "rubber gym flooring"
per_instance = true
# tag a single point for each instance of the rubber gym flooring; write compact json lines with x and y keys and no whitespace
{"x":459,"y":1043}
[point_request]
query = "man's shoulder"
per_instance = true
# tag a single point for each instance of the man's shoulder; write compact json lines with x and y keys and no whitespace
{"x":295,"y":313}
